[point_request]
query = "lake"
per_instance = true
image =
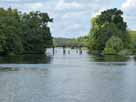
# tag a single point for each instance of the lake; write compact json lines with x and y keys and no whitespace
{"x":69,"y":77}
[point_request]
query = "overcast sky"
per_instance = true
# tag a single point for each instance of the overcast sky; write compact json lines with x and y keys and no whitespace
{"x":72,"y":17}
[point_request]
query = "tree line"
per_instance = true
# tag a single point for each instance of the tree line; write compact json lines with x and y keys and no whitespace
{"x":108,"y":35}
{"x":71,"y":42}
{"x":24,"y":32}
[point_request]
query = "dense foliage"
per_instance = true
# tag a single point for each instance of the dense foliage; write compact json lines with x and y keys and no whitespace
{"x":59,"y":42}
{"x":24,"y":33}
{"x":132,"y":36}
{"x":71,"y":42}
{"x":83,"y":41}
{"x":113,"y":45}
{"x":106,"y":25}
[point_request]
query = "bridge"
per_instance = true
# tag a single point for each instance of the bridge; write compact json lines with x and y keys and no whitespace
{"x":78,"y":49}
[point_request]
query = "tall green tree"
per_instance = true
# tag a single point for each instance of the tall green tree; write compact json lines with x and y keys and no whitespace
{"x":36,"y":33}
{"x":10,"y":41}
{"x":24,"y":33}
{"x":109,"y":23}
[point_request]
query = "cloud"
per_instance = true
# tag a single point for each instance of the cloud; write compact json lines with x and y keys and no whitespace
{"x":35,"y":6}
{"x":72,"y":17}
{"x":9,"y":0}
{"x":62,"y":5}
{"x":129,"y":4}
{"x":19,"y":1}
{"x":129,"y":7}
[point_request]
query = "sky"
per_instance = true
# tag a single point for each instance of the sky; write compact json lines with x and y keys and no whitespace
{"x":72,"y":18}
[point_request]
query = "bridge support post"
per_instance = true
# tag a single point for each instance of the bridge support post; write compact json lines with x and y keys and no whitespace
{"x":80,"y":50}
{"x":64,"y":50}
{"x":53,"y":50}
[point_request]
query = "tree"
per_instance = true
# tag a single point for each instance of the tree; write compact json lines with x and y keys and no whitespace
{"x":10,"y":41}
{"x":109,"y":23}
{"x":36,"y":33}
{"x":24,"y":33}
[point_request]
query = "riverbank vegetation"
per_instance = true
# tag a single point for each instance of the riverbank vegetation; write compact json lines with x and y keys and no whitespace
{"x":108,"y":34}
{"x":24,"y":32}
{"x":71,"y":42}
{"x":29,"y":33}
{"x":132,"y":35}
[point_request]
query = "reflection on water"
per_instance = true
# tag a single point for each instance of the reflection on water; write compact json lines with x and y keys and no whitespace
{"x":72,"y":77}
{"x":110,"y":58}
{"x":6,"y":69}
{"x":28,"y":58}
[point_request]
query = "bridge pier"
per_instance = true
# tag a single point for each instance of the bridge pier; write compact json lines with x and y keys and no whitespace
{"x":53,"y":50}
{"x":80,"y":50}
{"x":64,"y":50}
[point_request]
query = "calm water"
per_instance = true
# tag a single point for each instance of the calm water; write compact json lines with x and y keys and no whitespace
{"x":72,"y":77}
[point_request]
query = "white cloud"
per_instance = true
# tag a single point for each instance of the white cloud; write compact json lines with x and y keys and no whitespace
{"x":129,"y":4}
{"x":71,"y":17}
{"x":35,"y":6}
{"x":64,"y":5}
{"x":129,"y":7}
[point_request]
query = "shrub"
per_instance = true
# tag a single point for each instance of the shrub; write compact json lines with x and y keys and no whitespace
{"x":113,"y":45}
{"x":109,"y":51}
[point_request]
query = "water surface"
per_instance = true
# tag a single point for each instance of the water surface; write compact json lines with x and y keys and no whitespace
{"x":69,"y":77}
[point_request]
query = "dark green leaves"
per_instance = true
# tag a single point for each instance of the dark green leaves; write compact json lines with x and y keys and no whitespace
{"x":23,"y":33}
{"x":109,"y":23}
